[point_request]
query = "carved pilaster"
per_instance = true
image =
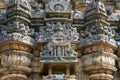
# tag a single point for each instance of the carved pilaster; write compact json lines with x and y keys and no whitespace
{"x":81,"y":74}
{"x":50,"y":70}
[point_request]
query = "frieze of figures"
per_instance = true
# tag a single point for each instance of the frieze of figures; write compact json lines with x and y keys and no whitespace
{"x":59,"y":42}
{"x":45,"y":32}
{"x":16,"y":31}
{"x":96,"y":34}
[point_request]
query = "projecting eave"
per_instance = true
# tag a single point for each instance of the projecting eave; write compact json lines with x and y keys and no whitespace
{"x":58,"y":20}
{"x":67,"y":61}
{"x":7,"y":42}
{"x":98,"y":43}
{"x":2,"y":54}
{"x":19,"y":68}
{"x":92,"y":22}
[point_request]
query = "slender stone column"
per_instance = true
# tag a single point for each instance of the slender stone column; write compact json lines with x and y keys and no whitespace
{"x":68,"y":70}
{"x":55,"y":51}
{"x":59,"y":51}
{"x":50,"y":70}
{"x":63,"y":51}
{"x":66,"y":52}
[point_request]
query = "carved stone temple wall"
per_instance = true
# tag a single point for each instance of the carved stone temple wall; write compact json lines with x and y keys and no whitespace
{"x":59,"y":40}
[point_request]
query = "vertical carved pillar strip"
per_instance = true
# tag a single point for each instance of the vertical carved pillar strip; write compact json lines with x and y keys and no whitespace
{"x":68,"y":70}
{"x":50,"y":70}
{"x":80,"y":72}
{"x":97,"y":43}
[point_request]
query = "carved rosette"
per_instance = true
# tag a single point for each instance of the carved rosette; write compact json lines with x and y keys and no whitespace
{"x":58,"y":6}
{"x":99,"y":62}
{"x":15,"y":61}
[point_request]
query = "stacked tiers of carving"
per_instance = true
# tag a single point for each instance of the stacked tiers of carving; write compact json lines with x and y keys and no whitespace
{"x":97,"y":43}
{"x":15,"y":61}
{"x":99,"y":61}
{"x":18,"y":10}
